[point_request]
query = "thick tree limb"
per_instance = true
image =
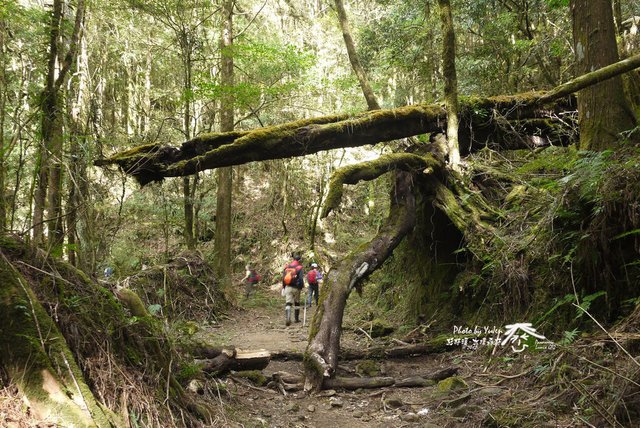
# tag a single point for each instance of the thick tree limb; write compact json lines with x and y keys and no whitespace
{"x":372,"y":169}
{"x":434,"y":346}
{"x":353,"y":383}
{"x":155,"y":161}
{"x":431,"y":347}
{"x":590,"y":79}
{"x":326,"y":328}
{"x":293,"y":382}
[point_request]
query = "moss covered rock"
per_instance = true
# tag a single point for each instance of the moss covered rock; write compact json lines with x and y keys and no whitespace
{"x":368,"y":368}
{"x":453,"y":383}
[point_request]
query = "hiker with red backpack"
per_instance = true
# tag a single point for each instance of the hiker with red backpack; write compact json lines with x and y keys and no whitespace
{"x":250,"y":280}
{"x":292,"y":284}
{"x":313,"y":277}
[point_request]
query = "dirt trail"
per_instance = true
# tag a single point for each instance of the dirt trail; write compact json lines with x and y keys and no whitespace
{"x":259,"y":324}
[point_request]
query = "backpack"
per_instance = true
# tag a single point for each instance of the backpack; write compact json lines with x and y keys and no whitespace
{"x":254,"y":277}
{"x":291,"y":275}
{"x":312,"y":276}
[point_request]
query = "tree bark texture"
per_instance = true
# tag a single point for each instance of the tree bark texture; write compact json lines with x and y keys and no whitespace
{"x":603,"y":110}
{"x":51,"y":152}
{"x":187,"y":192}
{"x":321,"y":358}
{"x":225,"y":175}
{"x":450,"y":81}
{"x":369,"y":96}
{"x":4,"y":200}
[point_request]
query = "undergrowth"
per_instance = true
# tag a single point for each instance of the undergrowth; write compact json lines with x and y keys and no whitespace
{"x":565,"y":234}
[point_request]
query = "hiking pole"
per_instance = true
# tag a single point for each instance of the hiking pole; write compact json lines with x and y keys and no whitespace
{"x":304,"y":312}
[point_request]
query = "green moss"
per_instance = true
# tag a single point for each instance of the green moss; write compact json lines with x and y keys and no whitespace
{"x":368,"y":368}
{"x":133,"y":302}
{"x":380,"y":328}
{"x":254,"y":376}
{"x":371,"y":170}
{"x":188,"y":328}
{"x":27,"y":334}
{"x":452,"y":383}
{"x":188,"y":372}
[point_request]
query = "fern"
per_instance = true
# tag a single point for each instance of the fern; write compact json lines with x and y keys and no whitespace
{"x":568,"y":337}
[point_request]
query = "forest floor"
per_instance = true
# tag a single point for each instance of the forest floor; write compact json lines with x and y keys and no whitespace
{"x":498,"y":390}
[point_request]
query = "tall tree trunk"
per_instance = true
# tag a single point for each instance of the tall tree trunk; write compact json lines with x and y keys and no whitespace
{"x":372,"y":102}
{"x":48,"y":105}
{"x":224,"y":175}
{"x":78,"y":122}
{"x":3,"y":105}
{"x":603,"y":110}
{"x":450,"y":81}
{"x":51,"y":151}
{"x":187,"y":191}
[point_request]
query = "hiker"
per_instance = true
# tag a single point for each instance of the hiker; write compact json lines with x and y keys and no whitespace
{"x":250,"y":280}
{"x":313,"y":278}
{"x":292,"y":284}
{"x":108,"y":271}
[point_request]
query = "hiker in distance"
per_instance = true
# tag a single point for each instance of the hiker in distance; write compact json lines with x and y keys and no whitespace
{"x":292,"y":285}
{"x":250,"y":281}
{"x":314,"y":276}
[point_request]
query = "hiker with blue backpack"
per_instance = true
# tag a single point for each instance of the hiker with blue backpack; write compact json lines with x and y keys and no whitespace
{"x":292,"y":285}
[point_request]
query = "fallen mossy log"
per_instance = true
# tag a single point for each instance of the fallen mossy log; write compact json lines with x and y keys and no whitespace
{"x":417,"y":381}
{"x":154,"y":162}
{"x":286,"y":381}
{"x":380,"y":352}
{"x":353,"y":383}
{"x":428,"y":379}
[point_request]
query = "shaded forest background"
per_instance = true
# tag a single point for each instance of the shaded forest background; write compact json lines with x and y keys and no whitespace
{"x":82,"y":81}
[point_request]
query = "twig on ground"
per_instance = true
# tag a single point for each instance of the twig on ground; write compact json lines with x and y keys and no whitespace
{"x":611,"y":420}
{"x":366,"y":334}
{"x":608,"y":334}
{"x":248,"y":385}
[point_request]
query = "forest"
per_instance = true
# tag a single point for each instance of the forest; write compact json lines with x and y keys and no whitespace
{"x":470,"y":168}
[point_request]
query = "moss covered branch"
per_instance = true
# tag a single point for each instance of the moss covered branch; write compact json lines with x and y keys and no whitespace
{"x":591,"y":79}
{"x":153,"y":162}
{"x":371,"y":170}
